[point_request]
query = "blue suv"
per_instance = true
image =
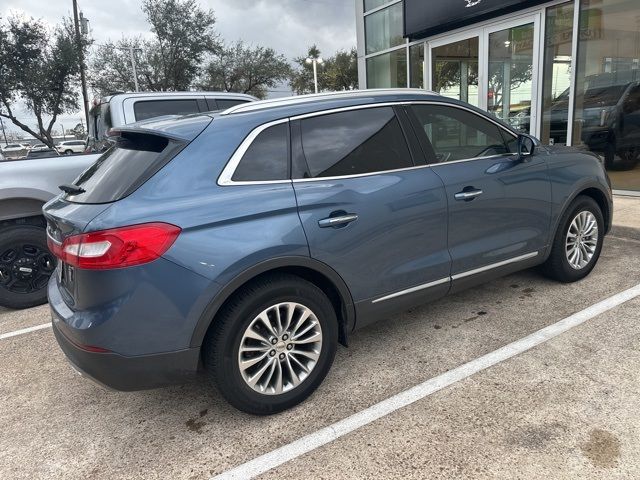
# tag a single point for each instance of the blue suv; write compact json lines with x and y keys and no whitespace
{"x":249,"y":243}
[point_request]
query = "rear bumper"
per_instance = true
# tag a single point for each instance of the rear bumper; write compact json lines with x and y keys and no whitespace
{"x":124,"y":373}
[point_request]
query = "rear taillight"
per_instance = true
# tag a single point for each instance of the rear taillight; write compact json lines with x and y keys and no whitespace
{"x":116,"y":247}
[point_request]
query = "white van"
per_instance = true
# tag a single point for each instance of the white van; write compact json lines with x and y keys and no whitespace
{"x":124,"y":108}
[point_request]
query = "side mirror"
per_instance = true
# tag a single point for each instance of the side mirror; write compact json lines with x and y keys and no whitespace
{"x":526,"y":146}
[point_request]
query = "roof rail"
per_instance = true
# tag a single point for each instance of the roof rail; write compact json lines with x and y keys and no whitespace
{"x":294,"y":100}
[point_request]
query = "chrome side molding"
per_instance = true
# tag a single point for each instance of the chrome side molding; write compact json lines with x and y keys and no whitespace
{"x":457,"y":276}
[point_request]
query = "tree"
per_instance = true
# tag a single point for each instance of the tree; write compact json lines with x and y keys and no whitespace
{"x":336,"y":73}
{"x":38,"y":68}
{"x":183,"y":35}
{"x":79,"y":131}
{"x":301,"y":78}
{"x":341,"y":71}
{"x":170,"y":60}
{"x":239,"y":68}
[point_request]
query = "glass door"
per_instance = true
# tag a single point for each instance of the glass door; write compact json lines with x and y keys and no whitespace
{"x":510,"y":90}
{"x":494,"y":68}
{"x":454,"y":69}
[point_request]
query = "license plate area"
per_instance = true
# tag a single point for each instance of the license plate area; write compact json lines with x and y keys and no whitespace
{"x":67,"y":276}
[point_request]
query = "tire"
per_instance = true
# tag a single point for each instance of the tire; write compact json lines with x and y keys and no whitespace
{"x":628,"y":159}
{"x":24,"y":246}
{"x":610,"y":154}
{"x":68,"y":152}
{"x":558,"y":266}
{"x":222,"y":345}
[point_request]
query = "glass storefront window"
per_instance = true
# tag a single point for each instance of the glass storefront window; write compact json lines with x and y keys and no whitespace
{"x":388,"y":70}
{"x":416,"y":65}
{"x":384,"y":29}
{"x":556,"y":78}
{"x":455,"y":70}
{"x":510,"y":76}
{"x":607,"y":100}
{"x":371,"y":4}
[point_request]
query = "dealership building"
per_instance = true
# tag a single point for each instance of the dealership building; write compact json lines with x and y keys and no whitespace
{"x":567,"y":72}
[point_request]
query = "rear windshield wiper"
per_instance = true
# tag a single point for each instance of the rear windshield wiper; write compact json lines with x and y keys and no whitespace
{"x":71,"y":189}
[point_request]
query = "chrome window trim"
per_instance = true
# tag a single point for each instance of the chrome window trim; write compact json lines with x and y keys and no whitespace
{"x":457,"y":276}
{"x":461,"y":107}
{"x":225,"y":178}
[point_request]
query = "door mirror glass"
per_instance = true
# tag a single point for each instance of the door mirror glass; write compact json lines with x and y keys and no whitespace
{"x":526,"y":146}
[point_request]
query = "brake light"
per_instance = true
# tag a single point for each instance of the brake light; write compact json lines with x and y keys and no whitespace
{"x":117,"y":247}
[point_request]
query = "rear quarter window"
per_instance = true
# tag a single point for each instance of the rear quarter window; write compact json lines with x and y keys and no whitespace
{"x":267,"y":158}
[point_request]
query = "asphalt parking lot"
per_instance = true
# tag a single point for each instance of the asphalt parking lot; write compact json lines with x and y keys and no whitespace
{"x":564,"y":409}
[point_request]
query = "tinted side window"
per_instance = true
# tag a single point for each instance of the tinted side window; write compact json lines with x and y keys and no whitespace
{"x":223,"y":104}
{"x":457,"y":134}
{"x":156,"y":108}
{"x":267,"y":158}
{"x":355,"y":142}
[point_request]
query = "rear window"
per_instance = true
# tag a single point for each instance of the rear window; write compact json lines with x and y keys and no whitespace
{"x":132,"y":160}
{"x":157,"y":108}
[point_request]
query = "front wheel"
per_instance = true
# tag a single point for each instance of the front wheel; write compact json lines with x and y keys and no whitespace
{"x":272,"y":345}
{"x":578,"y":241}
{"x":68,"y":152}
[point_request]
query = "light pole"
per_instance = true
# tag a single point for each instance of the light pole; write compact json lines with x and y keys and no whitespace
{"x":3,"y":132}
{"x":315,"y":62}
{"x":64,"y":137}
{"x":132,"y":57}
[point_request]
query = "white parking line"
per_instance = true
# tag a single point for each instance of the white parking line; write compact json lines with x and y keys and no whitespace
{"x":24,"y":330}
{"x":328,"y":434}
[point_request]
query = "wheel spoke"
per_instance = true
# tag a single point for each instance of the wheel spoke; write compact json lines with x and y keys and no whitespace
{"x":315,"y":337}
{"x":280,"y":348}
{"x":244,"y":364}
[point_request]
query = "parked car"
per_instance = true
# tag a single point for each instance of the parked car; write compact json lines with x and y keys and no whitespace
{"x":26,"y":186}
{"x":42,"y":153}
{"x":70,"y":147}
{"x":38,"y":147}
{"x":253,"y":241}
{"x":124,"y":108}
{"x":609,"y":118}
{"x":14,"y":150}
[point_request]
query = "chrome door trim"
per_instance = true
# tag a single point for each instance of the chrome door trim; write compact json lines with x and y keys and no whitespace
{"x":457,"y":276}
{"x":412,"y":289}
{"x":491,"y":266}
{"x":225,"y":178}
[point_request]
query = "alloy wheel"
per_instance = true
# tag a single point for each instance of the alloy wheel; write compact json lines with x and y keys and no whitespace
{"x":280,"y":348}
{"x":581,"y":240}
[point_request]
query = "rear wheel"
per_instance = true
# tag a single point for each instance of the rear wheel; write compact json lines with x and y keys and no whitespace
{"x":272,"y":345}
{"x":25,"y":266}
{"x":578,"y":241}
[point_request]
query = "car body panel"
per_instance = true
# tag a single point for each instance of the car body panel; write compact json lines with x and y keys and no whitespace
{"x":509,"y":219}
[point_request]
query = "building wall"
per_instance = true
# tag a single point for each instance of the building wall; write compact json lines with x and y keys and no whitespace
{"x":584,"y":88}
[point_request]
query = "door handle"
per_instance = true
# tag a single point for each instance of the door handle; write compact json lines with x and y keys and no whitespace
{"x":468,"y":195}
{"x":337,"y":221}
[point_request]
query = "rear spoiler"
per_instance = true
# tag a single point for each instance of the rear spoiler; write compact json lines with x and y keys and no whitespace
{"x":172,"y":127}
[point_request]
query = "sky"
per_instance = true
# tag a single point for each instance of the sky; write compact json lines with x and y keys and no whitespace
{"x":288,"y":26}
